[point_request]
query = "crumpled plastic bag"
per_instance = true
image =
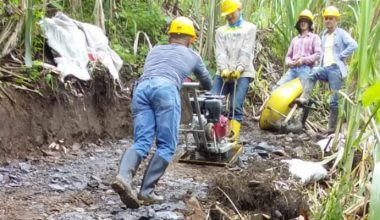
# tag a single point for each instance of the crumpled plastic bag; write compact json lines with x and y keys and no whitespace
{"x":306,"y":171}
{"x":78,"y":43}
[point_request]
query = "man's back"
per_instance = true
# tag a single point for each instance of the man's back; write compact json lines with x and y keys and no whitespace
{"x":175,"y":62}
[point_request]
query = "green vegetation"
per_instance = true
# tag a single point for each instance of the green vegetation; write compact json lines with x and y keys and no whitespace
{"x":130,"y":18}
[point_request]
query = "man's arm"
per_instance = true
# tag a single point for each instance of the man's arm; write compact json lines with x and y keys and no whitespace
{"x":289,"y":54}
{"x":202,"y":74}
{"x":350,"y":44}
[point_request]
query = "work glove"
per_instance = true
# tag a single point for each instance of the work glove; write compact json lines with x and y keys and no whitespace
{"x":225,"y":74}
{"x":235,"y":75}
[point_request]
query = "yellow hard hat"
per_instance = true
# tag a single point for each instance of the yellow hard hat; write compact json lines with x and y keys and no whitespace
{"x":182,"y":25}
{"x":306,"y":14}
{"x":331,"y":11}
{"x":229,"y":6}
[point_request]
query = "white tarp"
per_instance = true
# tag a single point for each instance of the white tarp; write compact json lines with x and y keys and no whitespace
{"x":77,"y":44}
{"x":306,"y":171}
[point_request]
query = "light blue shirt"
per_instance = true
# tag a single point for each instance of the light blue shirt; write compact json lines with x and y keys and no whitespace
{"x":344,"y":46}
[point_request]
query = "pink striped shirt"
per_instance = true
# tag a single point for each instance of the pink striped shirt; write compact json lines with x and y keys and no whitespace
{"x":307,"y":47}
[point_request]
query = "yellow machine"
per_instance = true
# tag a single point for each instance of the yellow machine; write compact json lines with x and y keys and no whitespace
{"x":279,"y":103}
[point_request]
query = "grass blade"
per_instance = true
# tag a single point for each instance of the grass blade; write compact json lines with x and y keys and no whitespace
{"x":28,"y":34}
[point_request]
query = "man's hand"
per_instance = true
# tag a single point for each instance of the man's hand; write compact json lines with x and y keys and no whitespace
{"x":298,"y":62}
{"x":235,"y":75}
{"x":225,"y":74}
{"x":291,"y":64}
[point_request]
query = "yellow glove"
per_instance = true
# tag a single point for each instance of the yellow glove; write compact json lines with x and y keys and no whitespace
{"x":225,"y":74}
{"x":235,"y":75}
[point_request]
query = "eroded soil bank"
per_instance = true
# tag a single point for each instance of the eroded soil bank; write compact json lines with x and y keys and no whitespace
{"x":79,"y":112}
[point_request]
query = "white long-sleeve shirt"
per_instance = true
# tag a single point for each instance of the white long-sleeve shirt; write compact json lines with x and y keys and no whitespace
{"x":234,"y":49}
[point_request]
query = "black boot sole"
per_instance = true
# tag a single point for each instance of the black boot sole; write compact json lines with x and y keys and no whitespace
{"x":125,"y":194}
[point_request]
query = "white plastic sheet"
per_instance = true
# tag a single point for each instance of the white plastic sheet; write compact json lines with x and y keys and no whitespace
{"x":306,"y":171}
{"x":77,"y":44}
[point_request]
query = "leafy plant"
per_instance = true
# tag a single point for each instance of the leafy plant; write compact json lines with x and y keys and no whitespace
{"x":362,"y":72}
{"x":34,"y":71}
{"x":129,"y":19}
{"x":28,"y":34}
{"x":49,"y":80}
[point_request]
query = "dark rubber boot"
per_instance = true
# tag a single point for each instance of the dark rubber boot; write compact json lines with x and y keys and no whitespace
{"x":122,"y":185}
{"x":153,"y":173}
{"x":297,"y":125}
{"x":333,"y":120}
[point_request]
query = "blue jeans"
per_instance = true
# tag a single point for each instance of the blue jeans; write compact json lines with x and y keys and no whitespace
{"x":156,"y":113}
{"x":300,"y":71}
{"x":241,"y":91}
{"x":333,"y":76}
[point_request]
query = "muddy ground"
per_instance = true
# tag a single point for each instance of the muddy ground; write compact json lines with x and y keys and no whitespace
{"x":75,"y":184}
{"x":71,"y":179}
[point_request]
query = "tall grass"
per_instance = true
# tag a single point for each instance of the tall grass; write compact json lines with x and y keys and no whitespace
{"x":213,"y":7}
{"x":99,"y":18}
{"x":28,"y":33}
{"x":285,"y":15}
{"x":351,"y":183}
{"x":76,"y":6}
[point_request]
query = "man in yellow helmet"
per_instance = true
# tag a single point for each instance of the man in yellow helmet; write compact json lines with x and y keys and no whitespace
{"x":234,"y":52}
{"x":337,"y":45}
{"x":304,"y":51}
{"x":156,"y":111}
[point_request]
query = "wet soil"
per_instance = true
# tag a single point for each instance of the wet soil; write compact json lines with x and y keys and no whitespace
{"x":71,"y":178}
{"x":74,"y":183}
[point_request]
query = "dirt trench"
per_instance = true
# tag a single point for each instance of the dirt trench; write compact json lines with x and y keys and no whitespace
{"x":263,"y":188}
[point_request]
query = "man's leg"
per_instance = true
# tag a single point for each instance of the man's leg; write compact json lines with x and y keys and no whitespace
{"x":335,"y":84}
{"x":218,"y":86}
{"x":288,"y":76}
{"x":303,"y":73}
{"x":317,"y":73}
{"x":296,"y":126}
{"x":167,"y":115}
{"x":144,"y":124}
{"x":237,"y":98}
{"x":144,"y":128}
{"x":308,"y":79}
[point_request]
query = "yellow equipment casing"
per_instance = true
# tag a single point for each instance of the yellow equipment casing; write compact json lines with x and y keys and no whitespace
{"x":277,"y":106}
